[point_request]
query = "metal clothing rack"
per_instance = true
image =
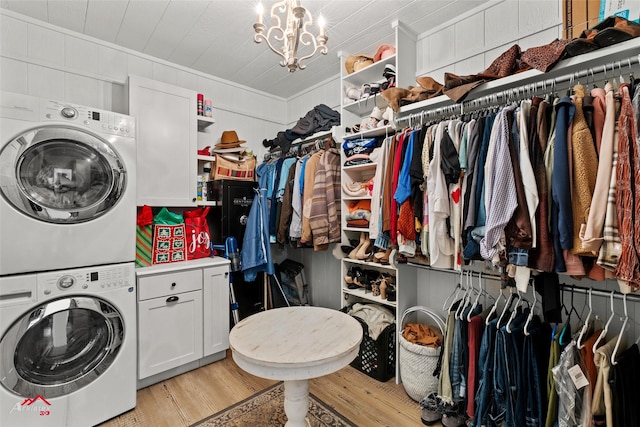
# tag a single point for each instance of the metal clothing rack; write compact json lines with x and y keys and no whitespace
{"x":599,"y":292}
{"x":298,"y":146}
{"x":563,"y":287}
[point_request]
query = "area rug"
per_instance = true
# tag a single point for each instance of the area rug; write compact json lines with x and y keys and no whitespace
{"x":266,"y":409}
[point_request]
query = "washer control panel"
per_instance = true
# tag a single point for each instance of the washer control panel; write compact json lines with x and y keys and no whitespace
{"x":90,"y":279}
{"x":97,"y":120}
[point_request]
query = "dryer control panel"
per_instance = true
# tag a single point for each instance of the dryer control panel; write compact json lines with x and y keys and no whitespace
{"x":86,"y":280}
{"x":97,"y":120}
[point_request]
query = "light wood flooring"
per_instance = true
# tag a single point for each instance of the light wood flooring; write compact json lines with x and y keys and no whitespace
{"x":195,"y":395}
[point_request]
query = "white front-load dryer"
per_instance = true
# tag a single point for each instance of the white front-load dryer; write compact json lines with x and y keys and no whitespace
{"x":67,"y":346}
{"x":67,"y":185}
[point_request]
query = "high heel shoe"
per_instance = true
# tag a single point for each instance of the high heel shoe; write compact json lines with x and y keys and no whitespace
{"x":382,"y":257}
{"x":354,"y":253}
{"x":351,"y":274}
{"x":365,"y":250}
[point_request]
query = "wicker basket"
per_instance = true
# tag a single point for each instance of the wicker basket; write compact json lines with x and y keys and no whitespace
{"x":417,"y":362}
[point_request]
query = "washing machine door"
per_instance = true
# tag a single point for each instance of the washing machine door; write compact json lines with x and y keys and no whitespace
{"x":60,"y":346}
{"x":61,"y":174}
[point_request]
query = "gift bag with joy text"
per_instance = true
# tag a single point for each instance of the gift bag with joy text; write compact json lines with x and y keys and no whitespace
{"x":197,"y":233}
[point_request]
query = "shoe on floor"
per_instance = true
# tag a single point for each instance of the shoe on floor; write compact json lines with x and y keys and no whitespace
{"x":432,"y":409}
{"x":454,"y":420}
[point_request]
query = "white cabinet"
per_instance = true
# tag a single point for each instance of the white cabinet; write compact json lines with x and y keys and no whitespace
{"x":215,"y":292}
{"x":166,"y":142}
{"x":183,"y":317}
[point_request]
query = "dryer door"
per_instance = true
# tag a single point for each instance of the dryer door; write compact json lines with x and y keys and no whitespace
{"x":60,"y":346}
{"x":61,"y":174}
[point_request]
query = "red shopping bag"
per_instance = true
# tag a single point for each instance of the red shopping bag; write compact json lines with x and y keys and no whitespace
{"x":197,"y":233}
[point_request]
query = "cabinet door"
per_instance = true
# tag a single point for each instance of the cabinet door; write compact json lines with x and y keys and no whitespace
{"x":216,"y":309}
{"x":166,"y":139}
{"x":169,"y":332}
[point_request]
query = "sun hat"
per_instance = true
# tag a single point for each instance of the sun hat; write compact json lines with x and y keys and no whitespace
{"x":229,"y":139}
{"x":384,"y":51}
{"x":354,"y":63}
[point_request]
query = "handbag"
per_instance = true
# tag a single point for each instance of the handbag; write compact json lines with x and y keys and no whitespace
{"x":197,"y":233}
{"x":223,"y":168}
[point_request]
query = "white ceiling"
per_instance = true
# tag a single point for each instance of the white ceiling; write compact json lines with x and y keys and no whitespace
{"x":216,"y":36}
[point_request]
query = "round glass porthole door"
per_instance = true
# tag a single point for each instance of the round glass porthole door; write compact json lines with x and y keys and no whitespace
{"x":60,"y":346}
{"x":61,"y":174}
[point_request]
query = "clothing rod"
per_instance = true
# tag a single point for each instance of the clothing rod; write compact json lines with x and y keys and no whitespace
{"x":489,"y":276}
{"x":599,"y":292}
{"x":619,"y":67}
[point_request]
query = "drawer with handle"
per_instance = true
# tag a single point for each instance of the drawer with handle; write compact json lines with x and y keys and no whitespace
{"x":169,"y":284}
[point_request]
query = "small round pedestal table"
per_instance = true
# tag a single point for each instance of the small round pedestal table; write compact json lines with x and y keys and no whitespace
{"x":294,"y":344}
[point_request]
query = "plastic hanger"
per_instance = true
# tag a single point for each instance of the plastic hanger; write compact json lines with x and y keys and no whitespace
{"x":514,"y":312}
{"x":605,"y":330}
{"x":568,"y":323}
{"x":475,"y":303}
{"x":494,"y":307}
{"x":585,"y":326}
{"x":505,"y":308}
{"x":446,"y":306}
{"x":465,"y":297}
{"x":622,"y":330}
{"x":530,"y":316}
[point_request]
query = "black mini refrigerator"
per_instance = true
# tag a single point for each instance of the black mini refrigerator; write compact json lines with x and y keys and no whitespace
{"x":228,"y":217}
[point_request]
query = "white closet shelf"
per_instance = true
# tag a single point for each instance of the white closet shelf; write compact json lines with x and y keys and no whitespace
{"x":362,"y":167}
{"x":363,"y":230}
{"x":370,"y":133}
{"x":206,"y":158}
{"x":357,"y":198}
{"x":365,"y":105}
{"x":205,"y":122}
{"x":370,"y":264}
{"x":615,"y":55}
{"x":312,"y":138}
{"x":368,"y":295}
{"x":370,"y":74}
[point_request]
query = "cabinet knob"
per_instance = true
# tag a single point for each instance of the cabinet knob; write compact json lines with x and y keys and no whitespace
{"x":194,"y":199}
{"x":173,"y":285}
{"x":226,"y":274}
{"x":173,"y":299}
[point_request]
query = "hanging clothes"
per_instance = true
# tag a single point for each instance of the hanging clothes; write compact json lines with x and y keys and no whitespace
{"x":628,"y":192}
{"x":324,"y":215}
{"x":256,"y":251}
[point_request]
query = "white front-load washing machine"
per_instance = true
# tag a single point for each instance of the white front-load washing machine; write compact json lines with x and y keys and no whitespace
{"x":67,"y":185}
{"x":67,"y":346}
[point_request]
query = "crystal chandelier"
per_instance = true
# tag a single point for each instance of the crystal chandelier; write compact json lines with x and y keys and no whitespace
{"x":293,"y":34}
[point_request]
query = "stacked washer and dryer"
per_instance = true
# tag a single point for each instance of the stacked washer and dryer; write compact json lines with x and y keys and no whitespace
{"x":67,"y":246}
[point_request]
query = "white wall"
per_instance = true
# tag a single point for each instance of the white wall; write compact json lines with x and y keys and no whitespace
{"x":43,"y":60}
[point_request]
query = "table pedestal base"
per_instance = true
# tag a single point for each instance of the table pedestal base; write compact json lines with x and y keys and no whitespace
{"x":296,"y":402}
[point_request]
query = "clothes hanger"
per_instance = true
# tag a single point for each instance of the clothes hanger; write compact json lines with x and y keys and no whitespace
{"x":506,"y":307}
{"x":465,"y":297}
{"x":475,"y":303}
{"x":568,"y":323}
{"x":494,"y":307}
{"x":585,"y":326}
{"x":622,"y":330}
{"x":530,"y":316}
{"x":514,"y":312}
{"x":605,"y":330}
{"x":446,"y":307}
